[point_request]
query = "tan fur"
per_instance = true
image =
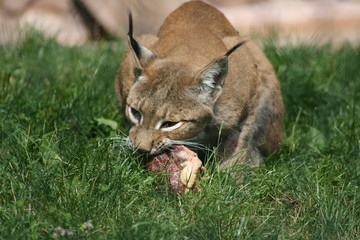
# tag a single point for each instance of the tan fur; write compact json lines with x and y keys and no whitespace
{"x":172,"y":87}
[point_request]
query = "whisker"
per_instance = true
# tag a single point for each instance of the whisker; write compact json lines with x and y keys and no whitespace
{"x":194,"y":145}
{"x":118,"y":142}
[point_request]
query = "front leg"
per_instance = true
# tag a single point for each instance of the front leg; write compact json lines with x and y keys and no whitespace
{"x":240,"y":147}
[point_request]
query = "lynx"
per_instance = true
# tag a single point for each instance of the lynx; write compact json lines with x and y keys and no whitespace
{"x":199,"y":82}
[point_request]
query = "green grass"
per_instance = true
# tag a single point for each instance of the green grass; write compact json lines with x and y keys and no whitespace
{"x":61,"y":164}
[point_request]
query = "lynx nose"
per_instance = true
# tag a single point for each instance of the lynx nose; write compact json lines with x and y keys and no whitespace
{"x":141,"y":139}
{"x":138,"y":147}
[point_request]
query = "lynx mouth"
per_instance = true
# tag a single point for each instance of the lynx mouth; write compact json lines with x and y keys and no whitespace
{"x":167,"y":148}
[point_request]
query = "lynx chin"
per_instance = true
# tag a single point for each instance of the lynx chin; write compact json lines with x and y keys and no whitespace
{"x":195,"y":77}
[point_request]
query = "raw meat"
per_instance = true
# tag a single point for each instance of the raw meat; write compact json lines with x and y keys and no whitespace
{"x":181,"y":166}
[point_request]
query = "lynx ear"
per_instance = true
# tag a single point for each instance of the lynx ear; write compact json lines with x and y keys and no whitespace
{"x":141,"y":55}
{"x":211,"y":78}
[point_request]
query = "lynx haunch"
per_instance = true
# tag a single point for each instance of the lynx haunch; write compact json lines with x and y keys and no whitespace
{"x":196,"y":79}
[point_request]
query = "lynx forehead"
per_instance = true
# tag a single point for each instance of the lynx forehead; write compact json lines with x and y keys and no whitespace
{"x":195,"y":77}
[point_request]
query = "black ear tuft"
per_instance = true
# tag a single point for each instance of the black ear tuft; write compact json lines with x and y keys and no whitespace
{"x":135,"y":46}
{"x":231,"y":50}
{"x":141,"y":55}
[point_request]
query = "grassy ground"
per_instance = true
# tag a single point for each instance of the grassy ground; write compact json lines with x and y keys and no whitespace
{"x":61,"y":165}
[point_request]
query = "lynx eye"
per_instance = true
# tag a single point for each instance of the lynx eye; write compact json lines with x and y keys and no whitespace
{"x":167,"y":126}
{"x":135,"y":115}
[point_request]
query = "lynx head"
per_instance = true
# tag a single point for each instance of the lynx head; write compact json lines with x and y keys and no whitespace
{"x":170,"y":102}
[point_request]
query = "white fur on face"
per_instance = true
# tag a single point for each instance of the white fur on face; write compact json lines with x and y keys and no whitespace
{"x":133,"y":118}
{"x":167,"y":129}
{"x":142,"y":78}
